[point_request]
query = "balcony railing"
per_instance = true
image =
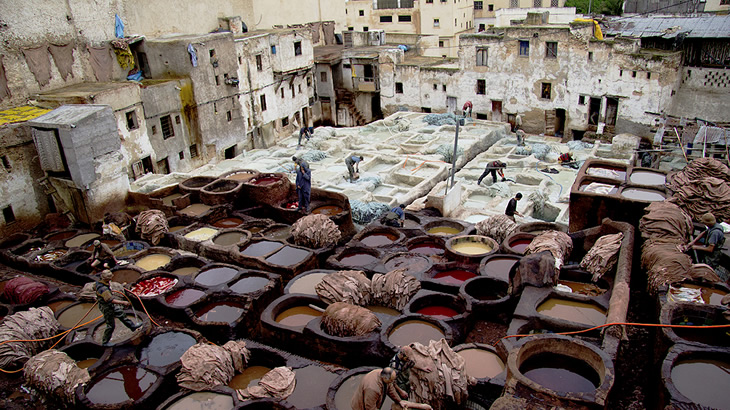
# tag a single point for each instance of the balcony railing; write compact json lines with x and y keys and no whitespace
{"x":366,"y":84}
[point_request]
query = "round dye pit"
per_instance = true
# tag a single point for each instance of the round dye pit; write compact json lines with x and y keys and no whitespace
{"x":226,"y":312}
{"x":249,"y":284}
{"x":358,"y":259}
{"x":520,"y":245}
{"x":129,"y":248}
{"x":166,"y":349}
{"x":186,"y":271}
{"x":379,"y":239}
{"x":229,"y":238}
{"x":648,"y":178}
{"x":444,"y":230}
{"x":347,"y":389}
{"x":125,"y":276}
{"x":86,"y":363}
{"x":168,"y":199}
{"x":184,"y":297}
{"x":241,"y":176}
{"x":454,"y":276}
{"x":203,"y":401}
{"x":265,"y":180}
{"x":486,"y":289}
{"x":312,"y":384}
{"x":215,"y":276}
{"x":120,"y":385}
{"x":411,"y":331}
{"x":195,"y":209}
{"x":59,"y":304}
{"x":231,"y":222}
{"x":413,"y":264}
{"x":288,"y":256}
{"x":261,"y":248}
{"x":499,"y":267}
{"x":579,"y":312}
{"x":153,"y":286}
{"x":153,"y":261}
{"x":472,"y":248}
{"x":201,"y":234}
{"x":51,"y":255}
{"x":79,"y":240}
{"x":482,"y":363}
{"x":297,"y":317}
{"x":328,"y":210}
{"x":427,"y":249}
{"x":561,"y":373}
{"x":703,"y":381}
{"x":696,"y":315}
{"x":643,"y":194}
{"x":249,"y":378}
{"x":384,"y":314}
{"x":305,"y":284}
{"x":438,"y":312}
{"x":71,"y":315}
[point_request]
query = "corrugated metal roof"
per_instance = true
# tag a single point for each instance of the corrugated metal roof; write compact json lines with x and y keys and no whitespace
{"x":710,"y":26}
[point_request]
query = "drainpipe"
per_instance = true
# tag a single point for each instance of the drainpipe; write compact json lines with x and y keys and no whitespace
{"x":459,"y":121}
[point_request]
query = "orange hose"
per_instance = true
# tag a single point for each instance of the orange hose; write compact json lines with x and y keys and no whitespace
{"x":143,"y":307}
{"x":620,"y":323}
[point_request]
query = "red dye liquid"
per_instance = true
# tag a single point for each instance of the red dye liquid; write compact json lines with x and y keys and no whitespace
{"x":292,"y":205}
{"x":454,"y":277}
{"x":520,"y":245}
{"x":358,"y":259}
{"x":125,"y":383}
{"x":264,"y":181}
{"x":378,"y":239}
{"x":428,"y":249}
{"x":153,"y":286}
{"x":438,"y":312}
{"x":228,"y":222}
{"x":184,"y":297}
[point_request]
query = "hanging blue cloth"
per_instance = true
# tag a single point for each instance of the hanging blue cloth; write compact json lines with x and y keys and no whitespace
{"x":193,"y":55}
{"x":118,"y":26}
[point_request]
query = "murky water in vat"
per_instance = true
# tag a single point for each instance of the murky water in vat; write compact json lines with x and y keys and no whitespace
{"x":195,"y":209}
{"x":358,"y":259}
{"x":561,"y":373}
{"x":288,"y":256}
{"x":125,"y":383}
{"x":298,"y":316}
{"x":312,"y":385}
{"x":184,"y":297}
{"x":573,"y":311}
{"x":643,"y":194}
{"x":203,"y":401}
{"x":261,"y":248}
{"x":231,"y":222}
{"x":328,"y":210}
{"x":56,"y":306}
{"x":229,"y":238}
{"x":499,"y":268}
{"x":166,"y":349}
{"x":70,"y":316}
{"x":414,"y":331}
{"x":481,"y":363}
{"x":647,"y":178}
{"x":79,"y":240}
{"x":250,"y":377}
{"x":305,"y":284}
{"x":168,"y":199}
{"x":703,"y":381}
{"x":220,"y":312}
{"x":520,"y":245}
{"x":86,"y":363}
{"x":153,"y":261}
{"x":379,"y":239}
{"x":215,"y":276}
{"x":385,"y":314}
{"x":186,"y":271}
{"x":249,"y":284}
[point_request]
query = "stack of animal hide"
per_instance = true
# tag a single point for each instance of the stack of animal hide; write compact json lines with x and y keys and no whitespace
{"x":206,"y":365}
{"x":346,"y":320}
{"x":315,"y":231}
{"x":152,"y":225}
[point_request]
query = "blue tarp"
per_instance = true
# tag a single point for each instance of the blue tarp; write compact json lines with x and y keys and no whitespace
{"x":118,"y":26}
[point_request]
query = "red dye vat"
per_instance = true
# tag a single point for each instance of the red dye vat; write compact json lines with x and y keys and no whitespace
{"x":153,"y":286}
{"x":438,"y":312}
{"x":358,"y":259}
{"x":520,"y":245}
{"x":379,"y":239}
{"x":264,"y":180}
{"x":454,"y":277}
{"x":184,"y":297}
{"x":228,"y":222}
{"x":291,"y":205}
{"x":428,"y":249}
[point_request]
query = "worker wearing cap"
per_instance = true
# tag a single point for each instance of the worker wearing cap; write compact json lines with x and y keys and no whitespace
{"x":102,"y":256}
{"x":712,"y":241}
{"x":110,"y":307}
{"x":304,"y":183}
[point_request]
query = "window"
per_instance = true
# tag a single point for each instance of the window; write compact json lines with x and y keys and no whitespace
{"x":273,"y":49}
{"x":132,"y":120}
{"x":537,"y":3}
{"x":282,"y":92}
{"x":490,"y":7}
{"x":590,"y":56}
{"x":163,"y":167}
{"x":478,"y":5}
{"x":443,"y":88}
{"x":386,"y":19}
{"x":309,"y":81}
{"x":554,"y":3}
{"x":482,"y":56}
{"x":620,"y":73}
{"x":441,"y":43}
{"x":551,"y":49}
{"x":436,"y":23}
{"x":351,"y":29}
{"x":482,"y":116}
{"x":435,"y":87}
{"x":365,"y":28}
{"x":6,"y":163}
{"x":323,"y":76}
{"x":177,"y":119}
{"x":546,"y":91}
{"x":230,"y":152}
{"x":297,"y":48}
{"x":724,"y":2}
{"x":263,"y":102}
{"x":456,"y":22}
{"x":404,"y":18}
{"x":482,"y":27}
{"x":443,"y":1}
{"x":166,"y":126}
{"x":399,"y":88}
{"x":8,"y":214}
{"x":514,"y":4}
{"x":193,"y":151}
{"x":633,"y":74}
{"x":259,"y":63}
{"x":648,"y":75}
{"x":426,"y":110}
{"x":524,"y":48}
{"x":285,"y":121}
{"x":229,"y":116}
{"x":482,"y":87}
{"x":154,"y":129}
{"x":361,"y":12}
{"x":300,"y":88}
{"x":217,"y":80}
{"x":293,"y":93}
{"x":581,"y":100}
{"x":429,"y":1}
{"x":181,"y":154}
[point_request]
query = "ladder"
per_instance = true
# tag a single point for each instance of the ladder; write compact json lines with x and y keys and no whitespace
{"x":49,"y":189}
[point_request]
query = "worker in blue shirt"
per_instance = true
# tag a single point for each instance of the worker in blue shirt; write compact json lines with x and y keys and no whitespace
{"x":353,"y":165}
{"x":303,"y":182}
{"x":395,"y":217}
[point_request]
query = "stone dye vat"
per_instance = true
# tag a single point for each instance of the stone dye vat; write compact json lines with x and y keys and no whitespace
{"x":536,"y":228}
{"x":517,"y":243}
{"x":271,"y":189}
{"x":184,"y":297}
{"x":355,"y":258}
{"x":215,"y":275}
{"x":449,"y":277}
{"x":470,"y":248}
{"x":121,"y":333}
{"x":154,"y":285}
{"x":69,"y":316}
{"x":221,"y":191}
{"x":584,"y":313}
{"x":284,"y":319}
{"x":87,"y":355}
{"x":230,"y":238}
{"x":482,"y":361}
{"x":414,"y":264}
{"x":277,"y":232}
{"x":485,"y":295}
{"x":451,"y":309}
{"x":444,"y":227}
{"x":129,"y":249}
{"x":647,"y":176}
{"x":125,"y":385}
{"x":414,"y":328}
{"x":240,"y":175}
{"x":429,"y":246}
{"x":152,"y":261}
{"x":194,"y":185}
{"x":580,"y":282}
{"x":498,"y":266}
{"x":344,"y":387}
{"x":696,"y":377}
{"x":56,"y":236}
{"x":560,"y":371}
{"x":80,"y":240}
{"x":229,"y":222}
{"x":201,"y":234}
{"x":163,"y":351}
{"x":379,"y":238}
{"x":312,"y":384}
{"x":249,"y":377}
{"x":304,"y":283}
{"x":694,"y":314}
{"x":642,"y":194}
{"x":249,"y":284}
{"x":260,"y":248}
{"x":289,"y":256}
{"x":599,"y":169}
{"x":709,"y":294}
{"x":205,"y":400}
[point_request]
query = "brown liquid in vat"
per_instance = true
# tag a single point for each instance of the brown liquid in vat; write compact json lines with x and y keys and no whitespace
{"x":297,"y":317}
{"x":414,"y":331}
{"x":125,"y":383}
{"x":573,"y":311}
{"x":250,"y":377}
{"x":288,"y":256}
{"x":481,"y":363}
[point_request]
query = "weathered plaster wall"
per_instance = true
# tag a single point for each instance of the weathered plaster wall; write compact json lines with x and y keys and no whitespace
{"x":703,"y":93}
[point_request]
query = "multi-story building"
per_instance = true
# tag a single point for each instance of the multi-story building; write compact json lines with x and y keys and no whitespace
{"x":442,"y":18}
{"x":485,"y":11}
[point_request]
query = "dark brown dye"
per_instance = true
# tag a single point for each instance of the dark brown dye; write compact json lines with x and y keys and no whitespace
{"x":385,"y":314}
{"x":486,"y":293}
{"x":411,"y":263}
{"x":264,"y":180}
{"x":57,"y":305}
{"x":328,"y":210}
{"x":288,"y":256}
{"x":607,"y":172}
{"x":312,"y":383}
{"x":228,"y":238}
{"x":297,"y":317}
{"x":358,"y":259}
{"x":255,"y":229}
{"x":428,"y":249}
{"x":226,"y":312}
{"x":643,"y":194}
{"x":125,"y":276}
{"x":184,"y":297}
{"x":438,"y":312}
{"x":520,"y":245}
{"x":248,"y":378}
{"x":415,"y":331}
{"x":81,"y":239}
{"x":261,"y":248}
{"x":454,"y":276}
{"x":215,"y":276}
{"x":86,"y":363}
{"x":166,"y":349}
{"x":250,"y":284}
{"x":648,"y":178}
{"x":75,"y":264}
{"x":231,"y":222}
{"x":306,"y":284}
{"x":561,"y":373}
{"x":205,"y":400}
{"x":711,"y":336}
{"x":61,"y":236}
{"x":123,"y":384}
{"x":499,"y":267}
{"x":580,"y":288}
{"x":379,"y":239}
{"x":69,"y":317}
{"x":703,"y":381}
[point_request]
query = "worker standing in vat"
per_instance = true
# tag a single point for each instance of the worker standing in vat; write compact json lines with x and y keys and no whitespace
{"x":712,"y":240}
{"x":467,"y":109}
{"x":303,"y":182}
{"x":102,"y":256}
{"x":109,"y":307}
{"x":494,"y":168}
{"x":373,"y":388}
{"x":353,"y":166}
{"x":511,"y":210}
{"x":395,"y":217}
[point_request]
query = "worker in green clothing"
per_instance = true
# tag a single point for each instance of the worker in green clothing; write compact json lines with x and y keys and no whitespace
{"x":109,"y":307}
